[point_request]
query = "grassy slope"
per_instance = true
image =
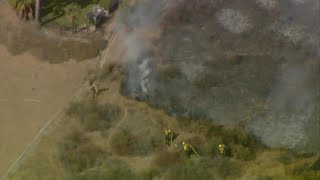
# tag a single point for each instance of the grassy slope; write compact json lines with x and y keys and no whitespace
{"x":124,"y":140}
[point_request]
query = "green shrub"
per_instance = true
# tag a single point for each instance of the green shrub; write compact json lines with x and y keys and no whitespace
{"x":77,"y":152}
{"x":243,"y":153}
{"x":145,"y":145}
{"x":316,"y":165}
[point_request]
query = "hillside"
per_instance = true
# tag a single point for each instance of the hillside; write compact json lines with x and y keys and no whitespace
{"x":244,"y":74}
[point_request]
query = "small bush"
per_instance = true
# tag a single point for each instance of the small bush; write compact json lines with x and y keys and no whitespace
{"x":77,"y":152}
{"x":93,"y":122}
{"x":243,"y":153}
{"x":316,"y":165}
{"x":126,"y":143}
{"x":145,"y":145}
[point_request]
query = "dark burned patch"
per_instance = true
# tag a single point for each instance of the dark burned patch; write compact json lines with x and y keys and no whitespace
{"x":191,"y":11}
{"x":210,"y":73}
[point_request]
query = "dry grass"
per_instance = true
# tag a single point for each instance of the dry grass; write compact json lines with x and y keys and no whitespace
{"x":85,"y":159}
{"x":93,"y":116}
{"x":77,"y":152}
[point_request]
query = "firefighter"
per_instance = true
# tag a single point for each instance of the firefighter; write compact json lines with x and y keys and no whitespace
{"x":95,"y":90}
{"x":170,"y":136}
{"x":224,"y":150}
{"x":187,"y":148}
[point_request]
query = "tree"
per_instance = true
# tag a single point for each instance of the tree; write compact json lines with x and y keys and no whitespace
{"x":37,"y":10}
{"x":73,"y":12}
{"x":25,"y":8}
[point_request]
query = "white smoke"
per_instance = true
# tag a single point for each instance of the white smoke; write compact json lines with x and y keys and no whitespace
{"x":285,"y":124}
{"x":234,"y":21}
{"x":267,"y":4}
{"x":134,"y":23}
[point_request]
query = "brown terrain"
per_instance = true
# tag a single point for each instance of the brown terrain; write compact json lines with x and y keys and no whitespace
{"x":32,"y":91}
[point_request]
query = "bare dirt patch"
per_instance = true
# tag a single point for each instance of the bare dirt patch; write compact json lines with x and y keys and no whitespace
{"x":31,"y":92}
